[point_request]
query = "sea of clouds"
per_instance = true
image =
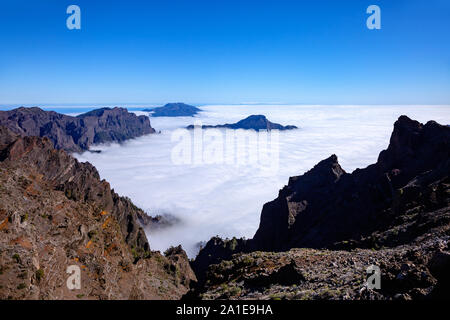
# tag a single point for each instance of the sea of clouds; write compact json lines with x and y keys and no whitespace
{"x":225,"y":198}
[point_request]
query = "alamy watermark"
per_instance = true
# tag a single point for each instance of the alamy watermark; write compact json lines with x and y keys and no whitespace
{"x":74,"y":280}
{"x":200,"y":146}
{"x":373,"y":277}
{"x":74,"y":20}
{"x":374,"y":20}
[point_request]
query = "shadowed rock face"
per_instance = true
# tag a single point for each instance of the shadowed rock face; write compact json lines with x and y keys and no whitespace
{"x":76,"y":134}
{"x":327,"y":205}
{"x":255,"y":122}
{"x":174,"y":110}
{"x":403,"y":197}
{"x":56,"y":212}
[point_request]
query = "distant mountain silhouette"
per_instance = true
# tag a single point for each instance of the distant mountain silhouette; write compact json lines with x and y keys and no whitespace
{"x":76,"y":134}
{"x":255,"y":122}
{"x":174,"y":110}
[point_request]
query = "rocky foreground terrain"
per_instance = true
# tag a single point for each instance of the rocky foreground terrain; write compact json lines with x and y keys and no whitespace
{"x":56,"y":212}
{"x":394,"y":214}
{"x":77,"y":134}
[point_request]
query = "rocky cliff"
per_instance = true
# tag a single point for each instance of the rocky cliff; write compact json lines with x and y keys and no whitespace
{"x":76,"y":134}
{"x":327,"y":205}
{"x":56,"y":212}
{"x":396,"y":210}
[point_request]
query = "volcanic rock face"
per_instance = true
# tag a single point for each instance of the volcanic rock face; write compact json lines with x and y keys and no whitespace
{"x":174,"y":110}
{"x":401,"y":202}
{"x":255,"y":122}
{"x":76,"y":134}
{"x":56,"y":212}
{"x":327,"y":205}
{"x":216,"y":250}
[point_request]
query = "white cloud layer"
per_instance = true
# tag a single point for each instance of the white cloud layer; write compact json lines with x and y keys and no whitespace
{"x":226,"y":200}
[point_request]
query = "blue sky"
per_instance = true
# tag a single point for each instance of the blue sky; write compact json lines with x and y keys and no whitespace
{"x":225,"y":51}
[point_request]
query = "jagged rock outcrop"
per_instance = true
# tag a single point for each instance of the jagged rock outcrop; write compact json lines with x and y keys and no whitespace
{"x":56,"y":212}
{"x":214,"y":251}
{"x":174,"y":110}
{"x":254,"y":122}
{"x":327,"y":205}
{"x":76,"y":134}
{"x":401,"y":202}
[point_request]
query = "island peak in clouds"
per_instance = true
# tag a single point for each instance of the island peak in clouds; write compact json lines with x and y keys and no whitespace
{"x":177,"y":109}
{"x":254,"y":122}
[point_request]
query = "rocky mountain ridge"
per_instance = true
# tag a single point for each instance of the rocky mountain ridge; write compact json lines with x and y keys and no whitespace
{"x":327,"y":205}
{"x":56,"y":212}
{"x":77,"y":134}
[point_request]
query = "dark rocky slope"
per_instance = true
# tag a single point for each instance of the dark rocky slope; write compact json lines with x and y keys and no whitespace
{"x":56,"y":212}
{"x":327,"y":205}
{"x":76,"y":134}
{"x":414,"y":271}
{"x":401,"y":203}
{"x":174,"y":110}
{"x":255,"y":122}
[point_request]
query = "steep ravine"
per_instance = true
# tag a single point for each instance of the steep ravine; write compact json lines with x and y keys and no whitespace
{"x":56,"y":212}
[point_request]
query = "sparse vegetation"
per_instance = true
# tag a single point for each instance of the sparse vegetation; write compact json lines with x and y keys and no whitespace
{"x":16,"y":257}
{"x":39,"y":275}
{"x":21,"y":286}
{"x":23,"y":218}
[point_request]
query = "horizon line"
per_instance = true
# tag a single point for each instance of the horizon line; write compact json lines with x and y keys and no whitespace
{"x":146,"y":104}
